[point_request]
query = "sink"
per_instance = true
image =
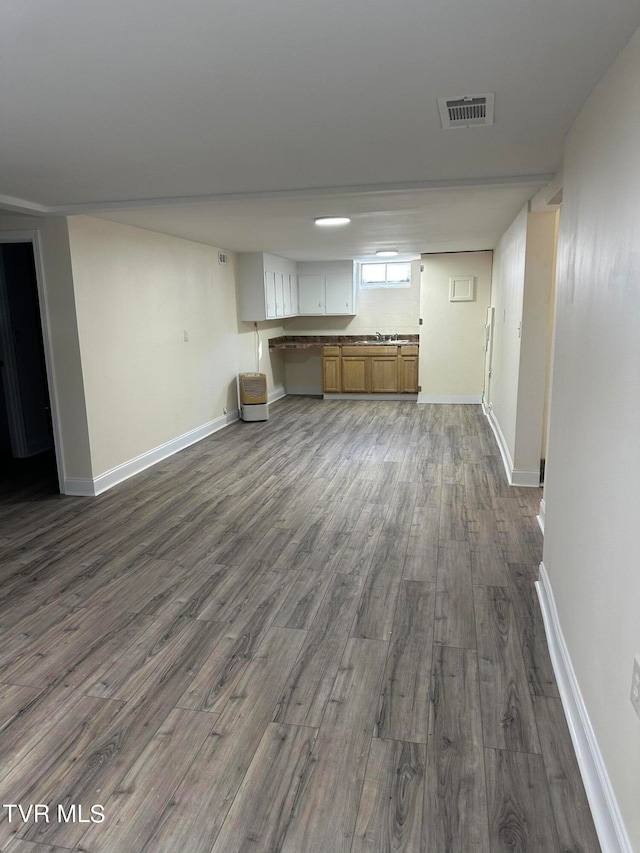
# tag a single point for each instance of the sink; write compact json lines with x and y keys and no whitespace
{"x":375,"y":341}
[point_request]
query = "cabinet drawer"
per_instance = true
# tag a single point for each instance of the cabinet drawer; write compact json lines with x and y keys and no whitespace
{"x":327,"y":350}
{"x":409,"y":349}
{"x":369,"y":350}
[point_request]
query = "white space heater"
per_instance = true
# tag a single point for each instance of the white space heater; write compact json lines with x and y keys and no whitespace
{"x":253,"y":397}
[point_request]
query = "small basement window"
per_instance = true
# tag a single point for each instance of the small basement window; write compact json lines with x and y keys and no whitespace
{"x":396,"y":274}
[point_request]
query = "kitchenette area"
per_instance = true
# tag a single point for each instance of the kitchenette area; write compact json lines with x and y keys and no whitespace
{"x":340,"y":337}
{"x":380,"y":367}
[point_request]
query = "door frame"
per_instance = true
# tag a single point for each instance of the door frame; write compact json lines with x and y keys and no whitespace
{"x":33,"y":237}
{"x":13,"y":403}
{"x":488,"y":358}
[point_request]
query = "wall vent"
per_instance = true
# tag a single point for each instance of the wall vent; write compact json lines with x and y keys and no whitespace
{"x":466,"y":111}
{"x":222,"y":257}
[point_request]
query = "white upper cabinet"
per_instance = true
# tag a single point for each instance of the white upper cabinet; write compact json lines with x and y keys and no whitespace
{"x":311,"y":294}
{"x":339,"y":293}
{"x":267,"y":287}
{"x":327,"y":287}
{"x":270,"y":294}
{"x":290,"y":289}
{"x":270,"y":287}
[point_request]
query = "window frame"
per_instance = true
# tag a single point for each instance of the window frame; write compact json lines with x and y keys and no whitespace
{"x":386,"y":283}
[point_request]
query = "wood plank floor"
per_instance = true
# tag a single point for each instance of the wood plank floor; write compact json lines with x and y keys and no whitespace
{"x":315,"y":633}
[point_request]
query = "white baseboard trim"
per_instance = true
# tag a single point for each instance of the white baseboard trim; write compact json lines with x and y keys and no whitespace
{"x":516,"y":477}
{"x":507,"y":461}
{"x":604,"y":807}
{"x":78,"y":487}
{"x":455,"y":399}
{"x":531,"y":479}
{"x":305,"y":390}
{"x":406,"y":398}
{"x":276,"y":395}
{"x":106,"y":481}
{"x":540,"y":517}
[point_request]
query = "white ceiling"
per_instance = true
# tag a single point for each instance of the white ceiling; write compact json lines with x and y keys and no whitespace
{"x":235,"y":123}
{"x":436,"y":220}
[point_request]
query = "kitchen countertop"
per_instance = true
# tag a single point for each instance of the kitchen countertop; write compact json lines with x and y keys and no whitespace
{"x":311,"y":341}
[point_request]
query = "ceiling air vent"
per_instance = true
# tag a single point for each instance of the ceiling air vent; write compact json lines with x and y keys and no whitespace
{"x":466,"y":111}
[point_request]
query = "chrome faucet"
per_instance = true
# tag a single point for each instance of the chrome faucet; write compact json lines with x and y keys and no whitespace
{"x":379,"y":336}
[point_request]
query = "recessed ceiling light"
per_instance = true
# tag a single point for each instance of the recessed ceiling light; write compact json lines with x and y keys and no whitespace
{"x":332,"y":220}
{"x":386,"y":253}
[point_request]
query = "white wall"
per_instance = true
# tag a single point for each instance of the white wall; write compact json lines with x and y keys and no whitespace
{"x":550,"y":328}
{"x":592,"y":535}
{"x":507,"y":297}
{"x":66,"y":386}
{"x":254,"y":354}
{"x":136,"y":293}
{"x":452,"y":336}
{"x":534,"y":340}
{"x":385,"y":310}
{"x":521,"y":290}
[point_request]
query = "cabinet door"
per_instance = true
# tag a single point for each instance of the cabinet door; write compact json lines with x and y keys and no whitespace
{"x":339,"y":294}
{"x":311,"y":294}
{"x":279,"y":294}
{"x":270,"y":293}
{"x":331,"y":375}
{"x":286,"y":285}
{"x":408,"y":374}
{"x":384,"y":374}
{"x":355,"y":374}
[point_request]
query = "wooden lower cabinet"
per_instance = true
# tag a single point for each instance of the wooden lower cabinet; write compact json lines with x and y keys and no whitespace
{"x":408,"y":374}
{"x":370,"y":370}
{"x":331,"y":372}
{"x":384,"y":375}
{"x":408,"y":361}
{"x":355,"y":374}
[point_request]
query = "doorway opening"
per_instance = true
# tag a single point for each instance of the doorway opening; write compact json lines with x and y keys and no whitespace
{"x":27,"y":446}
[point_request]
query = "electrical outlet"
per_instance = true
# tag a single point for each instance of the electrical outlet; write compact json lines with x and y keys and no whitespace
{"x":635,"y":685}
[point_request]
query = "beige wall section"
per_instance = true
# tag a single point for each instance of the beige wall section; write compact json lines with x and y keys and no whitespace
{"x":534,"y":340}
{"x":385,"y":310}
{"x":303,"y":371}
{"x":66,"y":381}
{"x":592,"y":536}
{"x":521,"y":290}
{"x":452,"y":336}
{"x":507,"y":297}
{"x":550,"y":327}
{"x":272,"y":364}
{"x":137,"y":292}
